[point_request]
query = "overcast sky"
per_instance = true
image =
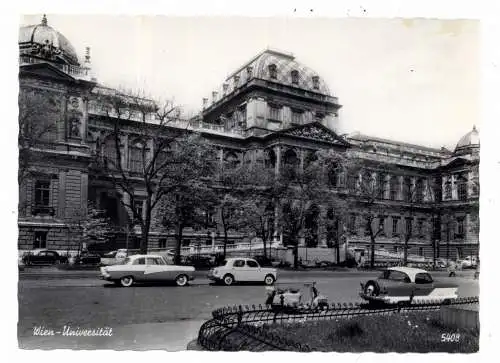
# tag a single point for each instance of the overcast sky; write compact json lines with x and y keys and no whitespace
{"x":415,"y":81}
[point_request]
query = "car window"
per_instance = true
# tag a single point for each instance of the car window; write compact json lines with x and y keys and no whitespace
{"x":42,"y":253}
{"x":423,"y":278}
{"x":253,"y":264}
{"x":126,"y":261}
{"x":223,"y":263}
{"x":139,"y":261}
{"x":160,"y":261}
{"x":239,"y":263}
{"x":151,"y":261}
{"x":398,"y":276}
{"x":384,"y":275}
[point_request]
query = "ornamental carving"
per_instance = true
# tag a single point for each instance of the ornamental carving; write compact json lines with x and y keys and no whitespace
{"x":46,"y":50}
{"x":313,"y":132}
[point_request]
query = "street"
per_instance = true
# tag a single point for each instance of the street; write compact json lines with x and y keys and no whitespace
{"x":157,"y":316}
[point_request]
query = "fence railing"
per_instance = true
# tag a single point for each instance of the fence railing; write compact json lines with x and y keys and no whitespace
{"x":237,"y":327}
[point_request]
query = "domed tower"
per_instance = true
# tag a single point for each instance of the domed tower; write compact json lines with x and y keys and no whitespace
{"x":468,"y":144}
{"x":40,"y":43}
{"x":273,"y":91}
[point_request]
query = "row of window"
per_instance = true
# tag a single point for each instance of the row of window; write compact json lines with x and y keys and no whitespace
{"x":275,"y":113}
{"x":418,"y":230}
{"x":294,"y":76}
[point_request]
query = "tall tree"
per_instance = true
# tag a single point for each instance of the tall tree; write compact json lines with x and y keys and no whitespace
{"x":146,"y":123}
{"x":39,"y":112}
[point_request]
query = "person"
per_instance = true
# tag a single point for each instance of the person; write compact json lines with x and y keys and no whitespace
{"x":314,"y":294}
{"x":452,"y":267}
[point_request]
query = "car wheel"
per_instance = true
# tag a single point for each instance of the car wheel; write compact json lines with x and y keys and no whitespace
{"x":269,"y":280}
{"x":181,"y":280}
{"x":228,"y":280}
{"x":126,"y":281}
{"x":372,"y":289}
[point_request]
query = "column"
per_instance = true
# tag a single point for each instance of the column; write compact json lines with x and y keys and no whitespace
{"x":277,"y":152}
{"x":85,"y":117}
{"x":124,"y":151}
{"x":400,"y":187}
{"x":454,"y":190}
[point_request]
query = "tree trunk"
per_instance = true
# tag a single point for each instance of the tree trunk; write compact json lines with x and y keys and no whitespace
{"x":177,"y":257}
{"x":296,"y":255}
{"x":372,"y":253}
{"x":225,"y":243}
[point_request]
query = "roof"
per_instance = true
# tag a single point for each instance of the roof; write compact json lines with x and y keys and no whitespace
{"x":259,"y":67}
{"x":470,"y":139}
{"x":410,"y":271}
{"x":40,"y":35}
{"x":361,"y":137}
{"x":138,"y":256}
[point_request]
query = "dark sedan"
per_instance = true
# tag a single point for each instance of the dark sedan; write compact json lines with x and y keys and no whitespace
{"x":43,"y":257}
{"x":87,"y":258}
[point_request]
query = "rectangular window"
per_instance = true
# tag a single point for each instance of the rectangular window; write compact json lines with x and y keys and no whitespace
{"x":460,"y":227}
{"x":351,"y":226}
{"x":381,"y":186}
{"x":186,"y":242}
{"x":368,"y":225}
{"x":162,"y":243}
{"x":407,"y":190}
{"x":138,"y":207}
{"x":40,"y":239}
{"x":395,"y":223}
{"x":275,"y":113}
{"x":462,"y":190}
{"x":447,"y":190}
{"x":42,"y":197}
{"x":135,"y":160}
{"x":297,"y":117}
{"x":408,"y":225}
{"x":419,"y":192}
{"x":420,"y":227}
{"x":393,"y":193}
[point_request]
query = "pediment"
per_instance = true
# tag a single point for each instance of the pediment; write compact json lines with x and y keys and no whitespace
{"x":45,"y":70}
{"x":316,"y":132}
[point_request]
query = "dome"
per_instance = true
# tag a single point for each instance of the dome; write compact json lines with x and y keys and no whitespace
{"x":277,"y":67}
{"x":470,"y":139}
{"x":44,"y":41}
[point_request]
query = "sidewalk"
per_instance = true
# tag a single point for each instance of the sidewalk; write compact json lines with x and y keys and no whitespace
{"x":171,"y":336}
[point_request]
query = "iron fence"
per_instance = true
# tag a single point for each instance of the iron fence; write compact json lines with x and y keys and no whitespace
{"x":238,"y":327}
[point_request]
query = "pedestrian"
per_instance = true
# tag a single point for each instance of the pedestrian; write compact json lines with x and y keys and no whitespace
{"x":452,"y":267}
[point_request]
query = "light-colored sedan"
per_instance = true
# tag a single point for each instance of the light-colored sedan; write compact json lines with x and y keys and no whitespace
{"x":146,"y":268}
{"x":241,"y":269}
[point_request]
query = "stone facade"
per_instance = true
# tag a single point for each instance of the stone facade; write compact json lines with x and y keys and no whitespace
{"x":272,"y":110}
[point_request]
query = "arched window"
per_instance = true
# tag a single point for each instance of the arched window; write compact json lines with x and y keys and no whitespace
{"x":447,"y":190}
{"x":290,"y":158}
{"x":273,"y":71}
{"x":231,"y":160}
{"x":295,"y":77}
{"x":334,"y":175}
{"x":352,"y":181}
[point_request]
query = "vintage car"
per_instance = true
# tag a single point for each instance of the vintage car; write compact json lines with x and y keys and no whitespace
{"x":399,"y":285}
{"x":146,"y":268}
{"x":242,"y":269}
{"x":87,"y":258}
{"x":43,"y":257}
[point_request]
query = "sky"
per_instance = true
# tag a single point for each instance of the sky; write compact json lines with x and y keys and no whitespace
{"x":415,"y":81}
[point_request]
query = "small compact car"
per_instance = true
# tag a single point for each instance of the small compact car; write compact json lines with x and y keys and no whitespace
{"x":146,"y":268}
{"x":43,"y":257}
{"x":399,"y":285}
{"x":241,"y":269}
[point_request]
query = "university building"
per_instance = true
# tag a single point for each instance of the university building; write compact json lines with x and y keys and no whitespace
{"x":272,"y":110}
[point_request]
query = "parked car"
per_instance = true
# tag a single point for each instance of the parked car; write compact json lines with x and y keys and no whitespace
{"x":146,"y":268}
{"x":468,"y":262}
{"x":397,"y":285}
{"x":199,"y":262}
{"x":43,"y":257}
{"x":87,"y":258}
{"x":241,"y":269}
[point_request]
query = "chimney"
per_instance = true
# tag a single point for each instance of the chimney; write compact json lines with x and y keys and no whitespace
{"x":224,"y":87}
{"x":214,"y":96}
{"x":236,"y":81}
{"x":87,"y":55}
{"x":205,"y":102}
